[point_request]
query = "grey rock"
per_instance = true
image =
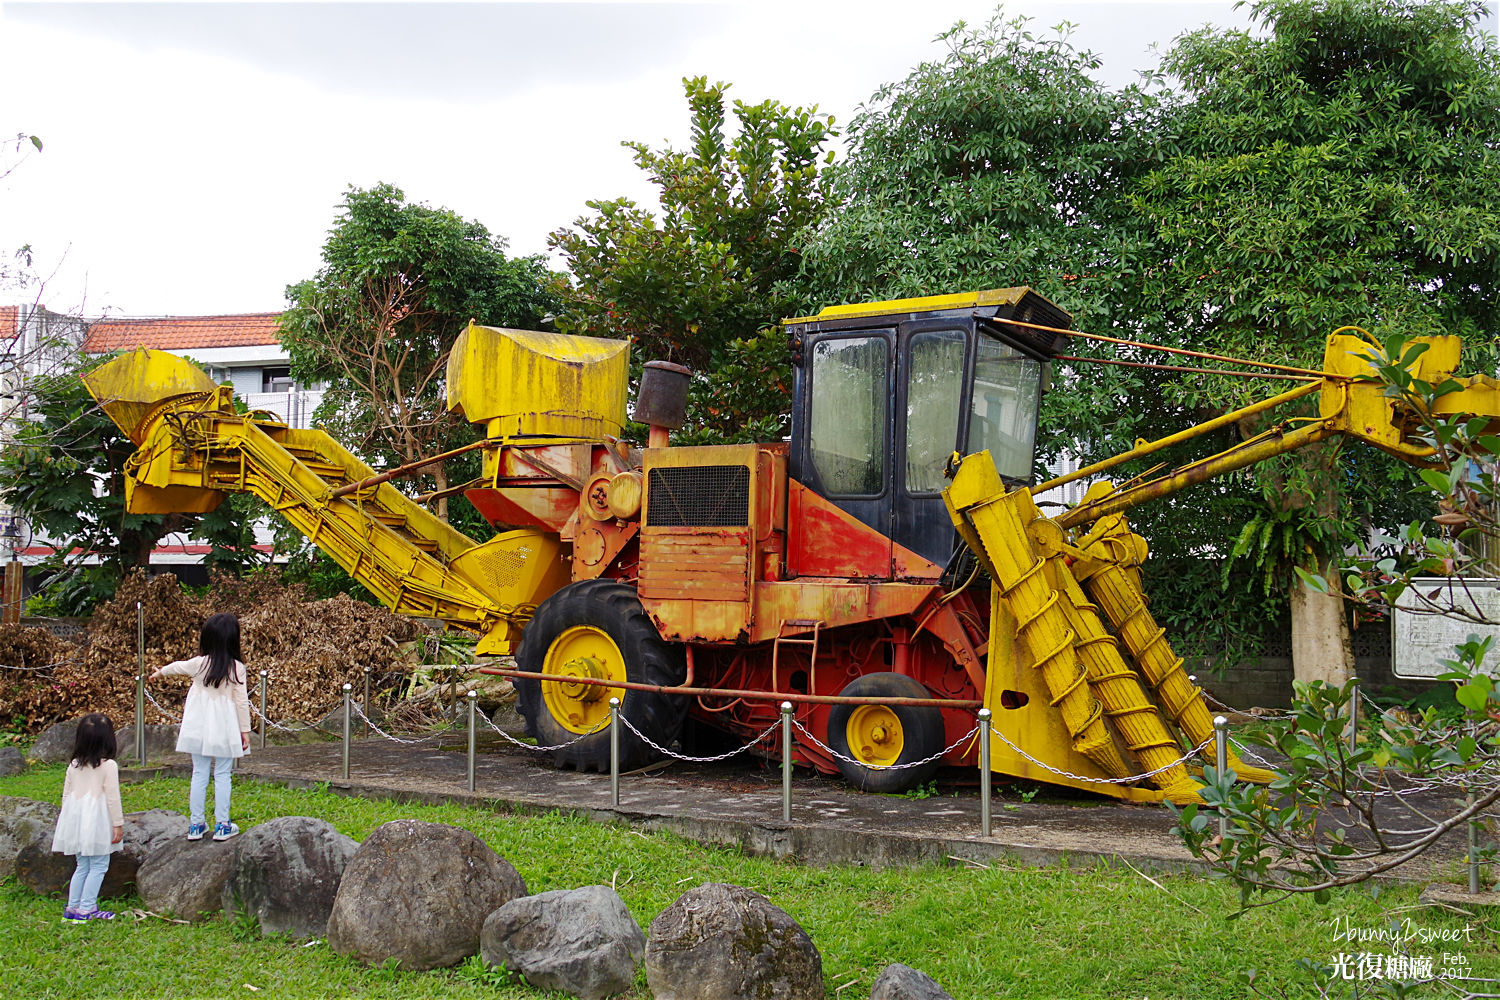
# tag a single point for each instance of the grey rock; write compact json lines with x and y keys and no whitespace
{"x":286,"y":873}
{"x":44,"y":872}
{"x":419,"y":893}
{"x":724,"y":942}
{"x":185,"y":878}
{"x":55,"y":745}
{"x":11,"y":762}
{"x":902,"y":982}
{"x":583,"y":942}
{"x":22,"y":821}
{"x":161,"y":743}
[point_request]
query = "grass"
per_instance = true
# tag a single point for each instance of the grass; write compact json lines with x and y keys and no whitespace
{"x":1005,"y":931}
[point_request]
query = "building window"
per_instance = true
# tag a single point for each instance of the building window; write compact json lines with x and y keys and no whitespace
{"x":276,"y":379}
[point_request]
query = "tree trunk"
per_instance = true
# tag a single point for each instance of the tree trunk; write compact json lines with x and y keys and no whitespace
{"x":440,"y":483}
{"x":1321,"y":649}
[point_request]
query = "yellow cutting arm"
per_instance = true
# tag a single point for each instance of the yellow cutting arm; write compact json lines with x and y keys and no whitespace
{"x":193,"y":448}
{"x":1133,"y":714}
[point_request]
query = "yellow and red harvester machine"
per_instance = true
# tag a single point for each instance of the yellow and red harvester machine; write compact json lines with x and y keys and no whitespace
{"x":838,"y":570}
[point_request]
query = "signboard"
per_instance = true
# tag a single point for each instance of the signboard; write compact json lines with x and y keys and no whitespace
{"x":1419,"y":641}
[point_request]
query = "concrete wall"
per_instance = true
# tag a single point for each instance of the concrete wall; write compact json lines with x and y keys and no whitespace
{"x":1266,"y":681}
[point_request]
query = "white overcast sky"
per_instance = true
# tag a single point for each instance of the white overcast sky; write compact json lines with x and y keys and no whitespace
{"x":195,"y":153}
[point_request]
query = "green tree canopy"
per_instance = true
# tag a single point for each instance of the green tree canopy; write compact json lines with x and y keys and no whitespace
{"x":400,"y":281}
{"x":1335,"y":167}
{"x":698,"y":285}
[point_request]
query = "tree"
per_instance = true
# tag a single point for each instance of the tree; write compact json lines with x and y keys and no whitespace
{"x":400,"y":281}
{"x":1336,"y":170}
{"x":1343,"y":810}
{"x":699,"y":285}
{"x":1340,"y":169}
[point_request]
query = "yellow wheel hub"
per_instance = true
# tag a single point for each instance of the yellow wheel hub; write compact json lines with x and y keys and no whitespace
{"x":582,"y":651}
{"x":875,"y":735}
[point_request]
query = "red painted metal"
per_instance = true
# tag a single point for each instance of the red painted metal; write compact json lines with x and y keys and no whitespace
{"x":824,"y":541}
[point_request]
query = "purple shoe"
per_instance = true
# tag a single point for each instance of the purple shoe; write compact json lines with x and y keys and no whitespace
{"x":71,"y":916}
{"x":98,"y":915}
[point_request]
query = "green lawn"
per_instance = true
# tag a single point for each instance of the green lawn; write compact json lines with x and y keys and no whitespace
{"x":1005,"y":931}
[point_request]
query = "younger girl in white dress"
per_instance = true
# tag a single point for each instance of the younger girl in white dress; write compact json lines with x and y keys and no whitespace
{"x":215,"y":721}
{"x":90,"y":823}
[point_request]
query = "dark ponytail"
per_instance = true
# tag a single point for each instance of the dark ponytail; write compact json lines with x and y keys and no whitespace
{"x":220,"y":642}
{"x":95,"y":740}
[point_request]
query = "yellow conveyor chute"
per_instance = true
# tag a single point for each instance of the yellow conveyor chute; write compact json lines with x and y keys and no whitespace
{"x":193,"y":448}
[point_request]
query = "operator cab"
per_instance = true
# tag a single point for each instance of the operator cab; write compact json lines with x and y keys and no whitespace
{"x":886,"y":392}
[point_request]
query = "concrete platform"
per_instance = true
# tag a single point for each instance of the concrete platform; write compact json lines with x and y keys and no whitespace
{"x":737,"y":803}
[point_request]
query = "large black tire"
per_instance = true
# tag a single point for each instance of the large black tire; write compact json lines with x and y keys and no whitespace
{"x":590,"y":617}
{"x":884,"y":735}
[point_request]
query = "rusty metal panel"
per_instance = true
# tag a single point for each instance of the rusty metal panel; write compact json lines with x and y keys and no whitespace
{"x":701,"y":564}
{"x":824,"y":541}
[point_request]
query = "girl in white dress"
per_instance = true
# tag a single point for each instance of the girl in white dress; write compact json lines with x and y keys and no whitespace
{"x":215,"y":721}
{"x":90,"y":823}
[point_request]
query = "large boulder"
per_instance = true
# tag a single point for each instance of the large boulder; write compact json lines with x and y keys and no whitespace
{"x":22,"y":821}
{"x":185,"y":878}
{"x":286,"y":873}
{"x":161,"y":742}
{"x":419,"y":893}
{"x":902,"y":982}
{"x":720,"y":942}
{"x":724,"y":942}
{"x":55,"y":745}
{"x":11,"y":762}
{"x":583,"y":942}
{"x":45,"y":872}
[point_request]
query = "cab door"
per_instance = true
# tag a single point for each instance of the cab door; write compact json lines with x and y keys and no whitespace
{"x":933,"y":378}
{"x":845,"y":453}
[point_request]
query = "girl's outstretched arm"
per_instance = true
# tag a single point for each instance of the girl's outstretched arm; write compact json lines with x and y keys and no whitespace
{"x":178,"y":668}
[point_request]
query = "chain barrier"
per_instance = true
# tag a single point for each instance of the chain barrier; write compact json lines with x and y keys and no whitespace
{"x":356,"y":710}
{"x":1128,"y":780}
{"x":158,"y":706}
{"x":698,"y":760}
{"x":527,"y":746}
{"x":1270,"y":716}
{"x":884,"y":767}
{"x":276,"y":725}
{"x":41,"y":669}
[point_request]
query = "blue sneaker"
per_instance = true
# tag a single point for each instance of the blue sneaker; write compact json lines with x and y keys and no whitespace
{"x":197,"y":830}
{"x":71,"y":916}
{"x":226,"y":830}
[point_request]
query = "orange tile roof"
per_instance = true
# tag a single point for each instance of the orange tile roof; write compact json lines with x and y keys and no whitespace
{"x":9,"y":319}
{"x":177,"y":333}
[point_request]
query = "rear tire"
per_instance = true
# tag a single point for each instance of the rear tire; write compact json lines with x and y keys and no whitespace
{"x":597,"y":628}
{"x":878,"y":736}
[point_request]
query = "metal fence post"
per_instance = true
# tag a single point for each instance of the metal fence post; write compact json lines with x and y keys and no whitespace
{"x":367,"y":699}
{"x":614,"y":750}
{"x":786,"y":762}
{"x":1221,"y":761}
{"x":140,"y":683}
{"x":1473,"y":846}
{"x":984,"y":772}
{"x":348,"y":689}
{"x":473,"y":731}
{"x":264,"y":720}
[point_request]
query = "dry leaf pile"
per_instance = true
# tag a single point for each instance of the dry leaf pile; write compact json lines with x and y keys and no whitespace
{"x":309,"y":649}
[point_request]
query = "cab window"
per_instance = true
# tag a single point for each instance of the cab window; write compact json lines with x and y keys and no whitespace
{"x":934,"y":395}
{"x":1007,"y":386}
{"x":850,"y":389}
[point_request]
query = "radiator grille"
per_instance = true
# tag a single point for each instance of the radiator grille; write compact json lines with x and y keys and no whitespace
{"x":700,"y":496}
